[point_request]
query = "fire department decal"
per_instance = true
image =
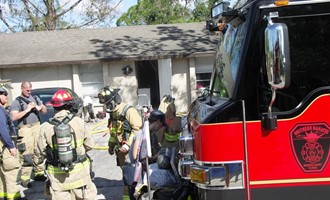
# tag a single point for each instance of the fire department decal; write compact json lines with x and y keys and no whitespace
{"x":310,"y":145}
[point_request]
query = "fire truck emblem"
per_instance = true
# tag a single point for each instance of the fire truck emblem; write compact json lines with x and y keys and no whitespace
{"x":310,"y":145}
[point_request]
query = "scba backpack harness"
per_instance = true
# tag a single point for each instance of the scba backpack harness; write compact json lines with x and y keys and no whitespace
{"x":126,"y":127}
{"x":20,"y":101}
{"x":62,"y":154}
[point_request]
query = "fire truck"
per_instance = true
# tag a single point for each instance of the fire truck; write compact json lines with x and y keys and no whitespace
{"x":261,"y":131}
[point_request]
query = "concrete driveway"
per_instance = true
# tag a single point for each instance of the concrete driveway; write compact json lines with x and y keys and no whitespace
{"x":108,"y":177}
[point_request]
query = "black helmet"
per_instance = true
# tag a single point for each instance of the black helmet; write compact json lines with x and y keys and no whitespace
{"x":109,"y":97}
{"x":107,"y":94}
{"x":156,"y":115}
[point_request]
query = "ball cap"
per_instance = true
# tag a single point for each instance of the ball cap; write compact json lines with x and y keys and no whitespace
{"x":3,"y":90}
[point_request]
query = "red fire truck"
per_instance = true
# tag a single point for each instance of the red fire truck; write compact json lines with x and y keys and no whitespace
{"x":262,"y":129}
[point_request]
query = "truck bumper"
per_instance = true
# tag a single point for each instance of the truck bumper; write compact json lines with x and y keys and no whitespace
{"x":236,"y":194}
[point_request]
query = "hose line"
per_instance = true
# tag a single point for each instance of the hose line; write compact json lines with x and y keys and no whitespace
{"x":94,"y":130}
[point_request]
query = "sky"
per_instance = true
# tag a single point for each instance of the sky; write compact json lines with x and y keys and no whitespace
{"x":126,"y":4}
{"x":123,"y":7}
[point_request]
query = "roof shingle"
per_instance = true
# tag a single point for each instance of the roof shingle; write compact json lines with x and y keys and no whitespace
{"x":118,"y":43}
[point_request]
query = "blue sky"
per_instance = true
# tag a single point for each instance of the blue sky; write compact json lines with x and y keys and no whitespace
{"x":126,"y":4}
{"x":123,"y":7}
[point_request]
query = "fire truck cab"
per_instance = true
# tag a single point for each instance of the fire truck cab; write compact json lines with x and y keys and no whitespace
{"x":262,"y":129}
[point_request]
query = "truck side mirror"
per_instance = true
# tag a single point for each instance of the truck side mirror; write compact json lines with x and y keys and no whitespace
{"x":277,"y":55}
{"x":277,"y":65}
{"x":218,"y":9}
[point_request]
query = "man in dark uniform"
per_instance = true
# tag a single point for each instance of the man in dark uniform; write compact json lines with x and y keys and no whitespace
{"x":9,"y":165}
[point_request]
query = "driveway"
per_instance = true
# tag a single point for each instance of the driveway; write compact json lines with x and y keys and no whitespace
{"x":108,"y":177}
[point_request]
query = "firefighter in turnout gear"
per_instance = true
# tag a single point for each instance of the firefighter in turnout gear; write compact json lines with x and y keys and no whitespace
{"x":170,"y":137}
{"x":9,"y":164}
{"x":64,"y":142}
{"x":124,"y":123}
{"x":26,"y":110}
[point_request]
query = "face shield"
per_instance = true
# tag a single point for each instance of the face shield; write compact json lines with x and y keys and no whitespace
{"x":110,"y":106}
{"x":101,"y":98}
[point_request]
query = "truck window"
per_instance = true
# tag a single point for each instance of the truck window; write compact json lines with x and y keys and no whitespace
{"x":227,"y":60}
{"x":309,"y":38}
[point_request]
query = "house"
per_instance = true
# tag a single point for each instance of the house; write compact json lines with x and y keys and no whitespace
{"x":143,"y":61}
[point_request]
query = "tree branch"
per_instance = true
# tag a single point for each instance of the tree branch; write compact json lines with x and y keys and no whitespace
{"x":66,"y":3}
{"x":114,"y":8}
{"x":5,"y":22}
{"x":28,"y":10}
{"x":87,"y":23}
{"x":67,"y":10}
{"x":35,"y":7}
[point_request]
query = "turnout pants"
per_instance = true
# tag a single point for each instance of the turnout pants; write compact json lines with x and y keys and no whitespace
{"x":28,"y":137}
{"x":9,"y":168}
{"x":87,"y":192}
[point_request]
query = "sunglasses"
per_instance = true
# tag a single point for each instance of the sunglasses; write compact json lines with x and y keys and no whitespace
{"x":5,"y":94}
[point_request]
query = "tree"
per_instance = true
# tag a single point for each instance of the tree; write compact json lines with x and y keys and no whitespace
{"x":148,"y":12}
{"x":154,"y":12}
{"x":36,"y":15}
{"x":202,"y":10}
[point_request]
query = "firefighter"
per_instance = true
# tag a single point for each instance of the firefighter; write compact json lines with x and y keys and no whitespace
{"x":26,"y":110}
{"x":157,"y":127}
{"x":159,"y":163}
{"x":73,"y":175}
{"x":160,"y":143}
{"x":124,"y":123}
{"x":9,"y":165}
{"x":170,"y":138}
{"x":88,"y":109}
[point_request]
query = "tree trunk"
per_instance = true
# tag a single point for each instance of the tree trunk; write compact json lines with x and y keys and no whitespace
{"x":50,"y":18}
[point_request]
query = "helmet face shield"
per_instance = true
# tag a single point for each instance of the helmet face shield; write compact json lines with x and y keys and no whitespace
{"x":110,"y":106}
{"x":101,"y":98}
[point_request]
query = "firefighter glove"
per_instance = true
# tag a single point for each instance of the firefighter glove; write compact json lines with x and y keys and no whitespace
{"x":27,"y":160}
{"x":111,"y":147}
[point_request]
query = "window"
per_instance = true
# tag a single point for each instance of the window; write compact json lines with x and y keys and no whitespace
{"x":203,"y":80}
{"x":91,"y":77}
{"x":204,"y":67}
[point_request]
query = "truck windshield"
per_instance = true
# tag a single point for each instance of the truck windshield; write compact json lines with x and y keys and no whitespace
{"x":227,"y":60}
